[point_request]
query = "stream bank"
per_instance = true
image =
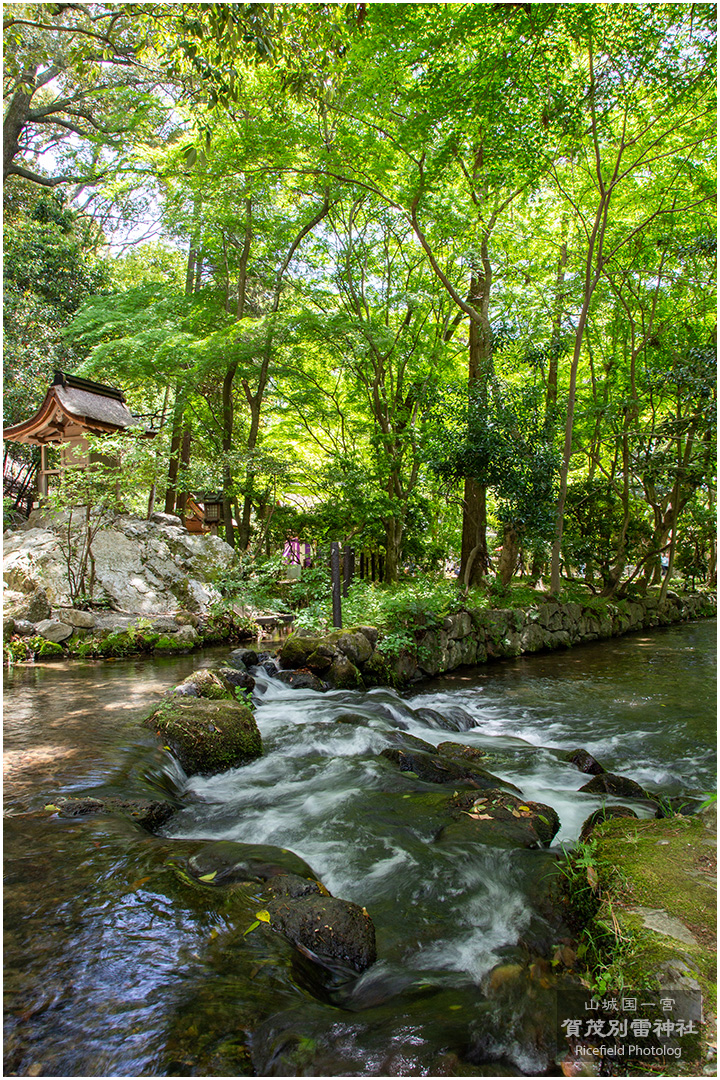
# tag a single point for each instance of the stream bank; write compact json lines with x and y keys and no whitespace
{"x":124,"y":967}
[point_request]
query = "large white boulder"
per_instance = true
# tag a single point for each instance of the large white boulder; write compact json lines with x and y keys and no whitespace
{"x":140,"y":566}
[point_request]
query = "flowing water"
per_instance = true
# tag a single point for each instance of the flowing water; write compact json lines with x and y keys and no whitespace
{"x":116,"y":965}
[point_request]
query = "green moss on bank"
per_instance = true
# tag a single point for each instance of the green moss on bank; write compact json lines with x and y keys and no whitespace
{"x":644,"y":899}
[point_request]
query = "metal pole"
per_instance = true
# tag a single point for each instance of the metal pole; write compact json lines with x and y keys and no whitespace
{"x":336,"y":588}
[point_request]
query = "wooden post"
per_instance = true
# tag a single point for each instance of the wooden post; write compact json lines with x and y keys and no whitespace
{"x":336,"y":588}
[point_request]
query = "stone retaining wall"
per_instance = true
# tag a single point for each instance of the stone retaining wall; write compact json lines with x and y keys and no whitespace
{"x":354,"y":657}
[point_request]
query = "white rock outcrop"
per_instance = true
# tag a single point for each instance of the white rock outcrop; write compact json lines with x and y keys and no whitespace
{"x":141,"y":567}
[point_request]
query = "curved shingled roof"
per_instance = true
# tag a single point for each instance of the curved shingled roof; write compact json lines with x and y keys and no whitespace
{"x":72,"y":402}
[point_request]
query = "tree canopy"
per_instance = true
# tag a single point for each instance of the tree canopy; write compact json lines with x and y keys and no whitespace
{"x":434,"y":279}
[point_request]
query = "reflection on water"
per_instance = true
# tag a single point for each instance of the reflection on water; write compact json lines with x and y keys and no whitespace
{"x":115,"y":965}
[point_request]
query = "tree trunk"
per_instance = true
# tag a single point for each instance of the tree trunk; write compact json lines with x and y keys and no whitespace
{"x":393,"y":548}
{"x":509,"y":555}
{"x":474,"y":528}
{"x":474,"y":525}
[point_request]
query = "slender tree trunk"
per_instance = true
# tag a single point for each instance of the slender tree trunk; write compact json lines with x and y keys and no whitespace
{"x":556,"y":331}
{"x":474,"y":527}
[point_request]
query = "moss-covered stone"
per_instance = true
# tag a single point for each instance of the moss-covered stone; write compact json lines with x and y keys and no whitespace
{"x":206,"y":684}
{"x":343,"y":675}
{"x":653,"y":930}
{"x":206,"y":736}
{"x":296,"y":650}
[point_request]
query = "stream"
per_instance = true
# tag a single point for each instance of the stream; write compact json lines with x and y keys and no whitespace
{"x":117,"y":965}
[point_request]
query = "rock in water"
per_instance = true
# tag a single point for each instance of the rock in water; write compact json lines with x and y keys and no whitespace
{"x":333,"y":930}
{"x":206,"y":736}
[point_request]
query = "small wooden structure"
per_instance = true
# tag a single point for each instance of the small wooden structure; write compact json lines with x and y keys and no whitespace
{"x":73,"y":407}
{"x":204,"y":512}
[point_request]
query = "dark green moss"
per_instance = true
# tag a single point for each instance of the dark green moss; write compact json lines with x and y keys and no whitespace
{"x":207,"y":736}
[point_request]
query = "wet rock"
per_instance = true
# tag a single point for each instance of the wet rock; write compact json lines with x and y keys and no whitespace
{"x":205,"y":684}
{"x":270,"y":667}
{"x":24,"y":628}
{"x":246,"y":657}
{"x":330,"y":929}
{"x":300,"y":680}
{"x":610,"y":784}
{"x":585,"y":762}
{"x":149,"y":814}
{"x":207,"y":736}
{"x":53,"y":630}
{"x":402,"y":740}
{"x":453,"y":719}
{"x":461,"y":753}
{"x":601,"y":815}
{"x":241,"y":680}
{"x":343,"y":675}
{"x":227,"y":861}
{"x":437,"y":769}
{"x":499,"y":819}
{"x":292,"y":886}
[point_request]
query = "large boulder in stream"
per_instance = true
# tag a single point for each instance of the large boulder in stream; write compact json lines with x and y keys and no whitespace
{"x":335,"y":933}
{"x":206,"y":736}
{"x":585,"y":762}
{"x":499,"y":819}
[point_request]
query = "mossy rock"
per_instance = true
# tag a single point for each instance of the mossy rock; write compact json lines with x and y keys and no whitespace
{"x":207,"y":737}
{"x":205,"y":684}
{"x":343,"y":675}
{"x":296,"y":650}
{"x":46,"y":650}
{"x":168,"y":645}
{"x":377,"y":671}
{"x":499,"y":819}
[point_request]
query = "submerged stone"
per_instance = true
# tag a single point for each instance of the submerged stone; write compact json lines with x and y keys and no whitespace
{"x":438,"y":769}
{"x":207,"y":736}
{"x":150,"y":814}
{"x":227,"y":861}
